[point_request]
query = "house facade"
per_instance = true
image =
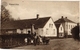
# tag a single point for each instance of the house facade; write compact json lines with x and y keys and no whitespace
{"x":65,"y":26}
{"x":61,"y":31}
{"x":41,"y":26}
{"x":49,"y":29}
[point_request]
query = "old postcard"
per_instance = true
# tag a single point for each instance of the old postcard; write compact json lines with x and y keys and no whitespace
{"x":39,"y":25}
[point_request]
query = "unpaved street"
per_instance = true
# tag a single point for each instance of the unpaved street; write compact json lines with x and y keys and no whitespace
{"x":55,"y":44}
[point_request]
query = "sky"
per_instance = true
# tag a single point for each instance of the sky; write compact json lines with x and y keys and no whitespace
{"x":24,"y":9}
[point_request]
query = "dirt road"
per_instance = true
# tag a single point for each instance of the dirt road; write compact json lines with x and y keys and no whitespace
{"x":55,"y":44}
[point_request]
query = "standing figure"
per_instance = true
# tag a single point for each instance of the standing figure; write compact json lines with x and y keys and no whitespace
{"x":28,"y":39}
{"x":38,"y":40}
{"x":34,"y":35}
{"x":43,"y":39}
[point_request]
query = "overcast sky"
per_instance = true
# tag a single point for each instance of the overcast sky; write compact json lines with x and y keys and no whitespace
{"x":28,"y":9}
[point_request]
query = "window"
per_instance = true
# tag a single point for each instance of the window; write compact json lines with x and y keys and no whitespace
{"x":50,"y":25}
{"x":61,"y":28}
{"x":10,"y":31}
{"x":54,"y":31}
{"x":47,"y":31}
{"x":71,"y":27}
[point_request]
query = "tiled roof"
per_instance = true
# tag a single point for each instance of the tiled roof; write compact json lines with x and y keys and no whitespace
{"x":57,"y":25}
{"x":38,"y":23}
{"x":61,"y":20}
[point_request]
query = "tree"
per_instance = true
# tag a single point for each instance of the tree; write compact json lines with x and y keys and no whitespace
{"x":75,"y":33}
{"x":5,"y":15}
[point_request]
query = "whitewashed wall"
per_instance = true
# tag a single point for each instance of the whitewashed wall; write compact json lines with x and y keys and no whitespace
{"x":19,"y":31}
{"x":61,"y":31}
{"x":9,"y":32}
{"x":50,"y":31}
{"x":70,"y":26}
{"x":25,"y":31}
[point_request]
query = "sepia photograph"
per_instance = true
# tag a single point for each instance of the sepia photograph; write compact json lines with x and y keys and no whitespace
{"x":39,"y":25}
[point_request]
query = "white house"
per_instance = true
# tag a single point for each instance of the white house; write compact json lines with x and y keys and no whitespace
{"x":42,"y":26}
{"x":64,"y":25}
{"x":60,"y":30}
{"x":49,"y":29}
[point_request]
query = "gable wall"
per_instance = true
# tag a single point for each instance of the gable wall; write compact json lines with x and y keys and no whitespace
{"x":48,"y":30}
{"x":61,"y":27}
{"x":61,"y":31}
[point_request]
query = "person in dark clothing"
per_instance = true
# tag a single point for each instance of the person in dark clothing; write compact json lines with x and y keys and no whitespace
{"x":43,"y":39}
{"x":34,"y":42}
{"x":37,"y":40}
{"x":34,"y":35}
{"x":28,"y":39}
{"x":28,"y":32}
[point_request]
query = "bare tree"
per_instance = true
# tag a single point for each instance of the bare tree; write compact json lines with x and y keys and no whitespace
{"x":5,"y":15}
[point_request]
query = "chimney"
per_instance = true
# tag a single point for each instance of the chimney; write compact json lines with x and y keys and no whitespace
{"x":77,"y":24}
{"x":61,"y":16}
{"x":37,"y":16}
{"x":66,"y":17}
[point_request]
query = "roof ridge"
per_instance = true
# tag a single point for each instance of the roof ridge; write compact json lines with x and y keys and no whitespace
{"x":33,"y":18}
{"x":27,"y":22}
{"x":60,"y":20}
{"x":69,"y":20}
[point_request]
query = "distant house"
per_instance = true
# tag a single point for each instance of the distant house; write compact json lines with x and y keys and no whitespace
{"x":42,"y":26}
{"x":60,"y":30}
{"x":64,"y":26}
